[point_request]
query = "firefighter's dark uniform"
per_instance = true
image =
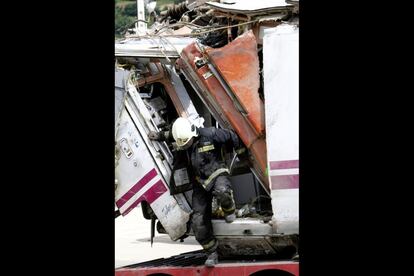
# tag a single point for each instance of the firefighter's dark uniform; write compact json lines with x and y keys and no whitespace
{"x":210,"y":179}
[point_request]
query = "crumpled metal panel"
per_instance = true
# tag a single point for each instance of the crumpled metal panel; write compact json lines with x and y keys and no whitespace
{"x":152,"y":47}
{"x":249,"y":6}
{"x":121,"y":77}
{"x":238,"y":64}
{"x":215,"y":96}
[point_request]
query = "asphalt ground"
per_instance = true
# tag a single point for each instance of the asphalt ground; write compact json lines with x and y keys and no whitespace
{"x":132,"y":241}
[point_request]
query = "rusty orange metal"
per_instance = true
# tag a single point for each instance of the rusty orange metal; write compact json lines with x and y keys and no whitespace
{"x":214,"y":94}
{"x":238,"y":64}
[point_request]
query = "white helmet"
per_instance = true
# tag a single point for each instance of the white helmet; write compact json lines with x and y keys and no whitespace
{"x":183,"y":130}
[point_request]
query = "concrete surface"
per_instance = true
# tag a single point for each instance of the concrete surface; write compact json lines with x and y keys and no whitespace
{"x":132,"y":241}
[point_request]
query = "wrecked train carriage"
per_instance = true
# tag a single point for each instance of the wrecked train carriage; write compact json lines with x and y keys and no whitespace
{"x":215,"y":24}
{"x":167,"y":77}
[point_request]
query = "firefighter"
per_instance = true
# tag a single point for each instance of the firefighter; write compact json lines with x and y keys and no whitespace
{"x":210,"y":176}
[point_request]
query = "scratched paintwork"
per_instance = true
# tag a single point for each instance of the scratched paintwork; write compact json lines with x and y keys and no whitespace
{"x":238,"y":64}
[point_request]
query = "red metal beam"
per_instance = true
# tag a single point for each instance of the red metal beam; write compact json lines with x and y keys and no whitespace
{"x":230,"y":269}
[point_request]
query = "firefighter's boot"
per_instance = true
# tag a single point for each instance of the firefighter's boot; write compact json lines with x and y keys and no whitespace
{"x":212,"y":259}
{"x":230,"y":218}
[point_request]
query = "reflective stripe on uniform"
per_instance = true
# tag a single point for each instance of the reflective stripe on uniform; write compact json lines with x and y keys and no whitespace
{"x":206,"y":148}
{"x":231,"y":209}
{"x":214,"y":175}
{"x":211,"y":244}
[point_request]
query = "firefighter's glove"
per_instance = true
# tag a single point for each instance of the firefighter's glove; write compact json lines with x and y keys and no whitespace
{"x":153,"y":135}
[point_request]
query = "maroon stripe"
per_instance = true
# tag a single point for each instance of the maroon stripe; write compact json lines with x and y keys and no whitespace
{"x":133,"y":205}
{"x":155,"y":192}
{"x":285,"y":181}
{"x":150,"y":196}
{"x":287,"y":164}
{"x":138,"y":186}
